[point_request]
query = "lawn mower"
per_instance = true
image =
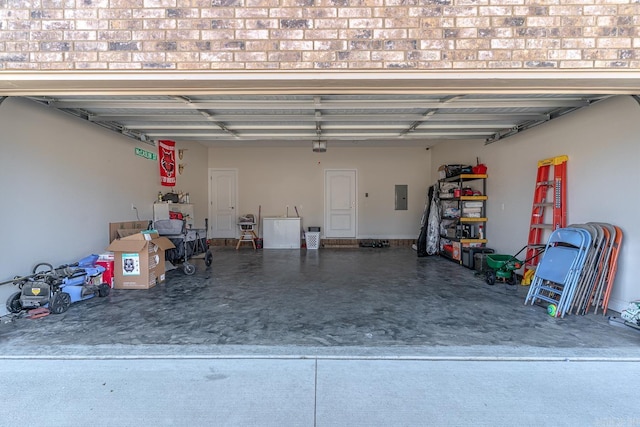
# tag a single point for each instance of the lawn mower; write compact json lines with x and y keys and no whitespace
{"x":56,"y":289}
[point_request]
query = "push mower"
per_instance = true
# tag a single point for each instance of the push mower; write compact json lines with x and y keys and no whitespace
{"x":56,"y":289}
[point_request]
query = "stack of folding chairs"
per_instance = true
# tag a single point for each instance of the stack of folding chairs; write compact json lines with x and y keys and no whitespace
{"x":578,"y":268}
{"x":594,"y":288}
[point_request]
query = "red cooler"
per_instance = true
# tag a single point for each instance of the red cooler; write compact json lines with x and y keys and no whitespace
{"x":106,"y":260}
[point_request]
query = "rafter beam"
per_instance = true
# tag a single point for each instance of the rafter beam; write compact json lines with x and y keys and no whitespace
{"x":369,"y":104}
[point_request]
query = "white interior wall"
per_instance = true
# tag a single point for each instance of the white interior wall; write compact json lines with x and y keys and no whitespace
{"x":601,"y":142}
{"x":64,"y":180}
{"x":279,"y":177}
{"x":193,"y":179}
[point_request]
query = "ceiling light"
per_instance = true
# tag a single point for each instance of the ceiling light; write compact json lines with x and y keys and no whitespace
{"x":319,"y":146}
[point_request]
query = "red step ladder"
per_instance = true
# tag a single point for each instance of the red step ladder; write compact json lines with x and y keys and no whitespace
{"x":549,"y":195}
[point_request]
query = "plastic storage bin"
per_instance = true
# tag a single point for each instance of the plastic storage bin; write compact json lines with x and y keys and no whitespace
{"x":480,"y":262}
{"x":469,"y":256}
{"x":312,"y":239}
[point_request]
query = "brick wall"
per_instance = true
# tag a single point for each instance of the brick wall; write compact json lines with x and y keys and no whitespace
{"x":318,"y":34}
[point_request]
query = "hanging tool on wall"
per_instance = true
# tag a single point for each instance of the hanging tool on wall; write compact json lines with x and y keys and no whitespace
{"x":259,"y":220}
{"x":302,"y":235}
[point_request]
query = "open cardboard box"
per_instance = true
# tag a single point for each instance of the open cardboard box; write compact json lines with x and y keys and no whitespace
{"x":126,"y":228}
{"x":139,"y":260}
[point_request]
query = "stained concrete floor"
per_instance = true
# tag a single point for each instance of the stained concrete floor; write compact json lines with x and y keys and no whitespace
{"x":335,"y":337}
{"x":333,"y":302}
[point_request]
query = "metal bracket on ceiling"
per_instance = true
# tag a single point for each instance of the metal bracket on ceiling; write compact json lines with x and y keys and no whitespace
{"x":210,"y":117}
{"x":115,"y":127}
{"x":88,"y":117}
{"x":417,"y":123}
{"x":220,"y":125}
{"x":636,"y":97}
{"x":133,"y":134}
{"x":521,"y":127}
{"x":515,"y":130}
{"x":427,"y":115}
{"x":318,"y":116}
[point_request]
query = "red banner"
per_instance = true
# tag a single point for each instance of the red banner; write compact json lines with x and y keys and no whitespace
{"x":167,"y":158}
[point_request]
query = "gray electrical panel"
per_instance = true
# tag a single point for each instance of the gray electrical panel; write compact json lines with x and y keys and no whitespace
{"x":401,"y":197}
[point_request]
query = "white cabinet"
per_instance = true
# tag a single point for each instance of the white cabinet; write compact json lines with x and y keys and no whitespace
{"x":281,"y":233}
{"x":161,"y":211}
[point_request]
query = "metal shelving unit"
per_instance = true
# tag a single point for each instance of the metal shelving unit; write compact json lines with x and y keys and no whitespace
{"x":463,"y":216}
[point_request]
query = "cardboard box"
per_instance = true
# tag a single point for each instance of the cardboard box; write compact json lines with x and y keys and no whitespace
{"x":123,"y":229}
{"x":457,"y":251}
{"x":139,"y":260}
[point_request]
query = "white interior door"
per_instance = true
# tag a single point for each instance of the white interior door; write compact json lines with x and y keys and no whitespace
{"x":223,"y":194}
{"x":340,"y":208}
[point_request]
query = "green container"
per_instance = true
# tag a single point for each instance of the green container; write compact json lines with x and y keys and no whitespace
{"x":504,"y":265}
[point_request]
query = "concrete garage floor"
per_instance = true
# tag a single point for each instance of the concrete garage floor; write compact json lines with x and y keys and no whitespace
{"x":353,"y":302}
{"x":362,"y":337}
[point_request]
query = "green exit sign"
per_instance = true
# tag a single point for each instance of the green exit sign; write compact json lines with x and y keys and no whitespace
{"x":146,"y":154}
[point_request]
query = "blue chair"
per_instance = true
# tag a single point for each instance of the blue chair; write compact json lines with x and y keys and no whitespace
{"x":559,"y":270}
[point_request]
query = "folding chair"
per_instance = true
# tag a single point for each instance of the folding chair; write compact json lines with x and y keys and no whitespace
{"x":589,"y":272}
{"x":559,"y":270}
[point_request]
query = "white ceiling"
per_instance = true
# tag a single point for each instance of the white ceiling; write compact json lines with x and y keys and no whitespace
{"x":299,"y":108}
